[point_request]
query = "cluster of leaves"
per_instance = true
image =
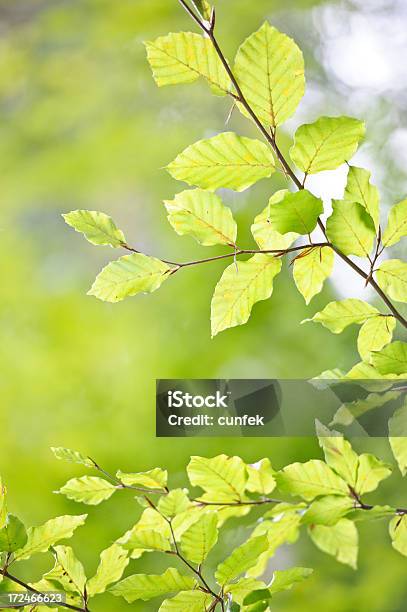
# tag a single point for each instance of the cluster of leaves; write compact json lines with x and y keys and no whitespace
{"x":186,"y":528}
{"x":266,"y":84}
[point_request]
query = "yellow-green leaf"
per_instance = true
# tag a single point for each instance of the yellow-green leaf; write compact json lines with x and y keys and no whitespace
{"x":269,"y":68}
{"x":297,"y":212}
{"x":283,"y":580}
{"x":13,"y":535}
{"x":398,"y":437}
{"x":350,"y":228}
{"x":326,"y":144}
{"x":199,"y":539}
{"x":221,"y":474}
{"x":359,"y":189}
{"x":97,"y":227}
{"x":202,"y":215}
{"x":68,"y":571}
{"x":392,"y":278}
{"x":241,"y":559}
{"x":183,"y":57}
{"x":71,"y":456}
{"x":392,"y":359}
{"x":336,"y":316}
{"x":145,"y":586}
{"x":340,"y":541}
{"x":311,"y":269}
{"x":311,"y":479}
{"x":226,"y":160}
{"x":328,"y":510}
{"x":113,"y":562}
{"x":129,"y":275}
{"x":398,"y":534}
{"x":242,"y":285}
{"x":187,"y":601}
{"x":42,"y":537}
{"x":266,"y":237}
{"x":396,"y":225}
{"x":238,"y":590}
{"x":339,"y":453}
{"x":176,"y":502}
{"x":374,"y":334}
{"x":371,"y":471}
{"x":144,"y":539}
{"x":261,"y":477}
{"x":152,"y":479}
{"x":90,"y":490}
{"x":204,"y":8}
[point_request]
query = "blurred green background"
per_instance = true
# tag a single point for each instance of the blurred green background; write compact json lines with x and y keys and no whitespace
{"x":84,"y":126}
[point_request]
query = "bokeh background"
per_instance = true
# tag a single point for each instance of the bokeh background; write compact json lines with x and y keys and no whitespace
{"x":84,"y":126}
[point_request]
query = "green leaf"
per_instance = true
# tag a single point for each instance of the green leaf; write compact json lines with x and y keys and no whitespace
{"x":129,"y":275}
{"x":266,"y":237}
{"x":13,"y":535}
{"x":68,"y":571}
{"x":176,"y":502}
{"x":310,"y":480}
{"x":359,"y":189}
{"x":398,"y":437}
{"x":199,"y":539}
{"x":373,"y":514}
{"x":261,"y":477}
{"x":242,"y":284}
{"x":392,"y":359}
{"x":326,"y":144}
{"x":113,"y":562}
{"x":144,"y":539}
{"x":340,"y":541}
{"x":204,"y":8}
{"x":152,"y":522}
{"x":311,"y":269}
{"x":374,"y":334}
{"x":238,"y":590}
{"x":392,"y":278}
{"x":41,"y":538}
{"x":183,"y":57}
{"x":350,"y":228}
{"x":187,"y":601}
{"x":297,"y":212}
{"x":371,"y":471}
{"x":336,"y":316}
{"x":241,"y":559}
{"x":350,"y":411}
{"x":339,"y":453}
{"x":152,"y":479}
{"x":269,"y":68}
{"x":328,"y":510}
{"x":71,"y":456}
{"x":226,"y":160}
{"x":97,"y":227}
{"x":398,"y":534}
{"x":145,"y":587}
{"x":221,"y":474}
{"x":202,"y":215}
{"x":90,"y":490}
{"x":283,"y":580}
{"x":396,"y":225}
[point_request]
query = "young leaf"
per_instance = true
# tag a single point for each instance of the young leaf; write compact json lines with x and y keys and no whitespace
{"x":242,"y":285}
{"x":359,"y":189}
{"x":183,"y":57}
{"x":13,"y":535}
{"x":145,"y":587}
{"x":240,"y":589}
{"x":152,"y":522}
{"x":371,"y":471}
{"x":350,"y":228}
{"x":152,"y":479}
{"x":398,"y":534}
{"x":283,"y":580}
{"x":174,"y":503}
{"x":113,"y":562}
{"x":396,"y":225}
{"x":392,"y":359}
{"x":328,"y":510}
{"x":144,"y":539}
{"x":392,"y":278}
{"x":241,"y":559}
{"x":203,"y":215}
{"x":129,"y":275}
{"x":266,"y":237}
{"x":68,"y":571}
{"x":326,"y":144}
{"x":340,"y":541}
{"x":350,"y":411}
{"x":297,"y":212}
{"x":90,"y":490}
{"x":221,"y":474}
{"x":398,"y":437}
{"x":310,"y":480}
{"x":374,"y":334}
{"x":187,"y":601}
{"x":97,"y":227}
{"x":41,"y":538}
{"x":269,"y":68}
{"x":204,"y":8}
{"x":226,"y":160}
{"x":336,"y":316}
{"x":339,"y":453}
{"x":199,"y":539}
{"x":71,"y":456}
{"x":261,"y":477}
{"x":311,"y":269}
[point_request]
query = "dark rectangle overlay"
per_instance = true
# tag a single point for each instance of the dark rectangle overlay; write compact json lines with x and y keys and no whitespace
{"x":279,"y":408}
